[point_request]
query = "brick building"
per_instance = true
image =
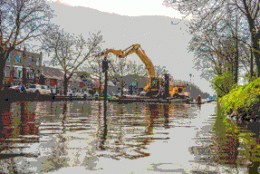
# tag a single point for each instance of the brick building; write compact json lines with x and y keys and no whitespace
{"x":53,"y":78}
{"x":22,"y":67}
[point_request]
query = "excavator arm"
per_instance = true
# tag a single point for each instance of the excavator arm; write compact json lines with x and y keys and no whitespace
{"x":141,"y":54}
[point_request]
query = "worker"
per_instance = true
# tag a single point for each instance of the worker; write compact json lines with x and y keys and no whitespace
{"x":199,"y":99}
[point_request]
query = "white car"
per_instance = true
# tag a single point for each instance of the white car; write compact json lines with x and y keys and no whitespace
{"x":143,"y":93}
{"x":40,"y":89}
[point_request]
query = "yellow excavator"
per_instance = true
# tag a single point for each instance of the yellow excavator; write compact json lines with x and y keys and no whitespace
{"x":153,"y":83}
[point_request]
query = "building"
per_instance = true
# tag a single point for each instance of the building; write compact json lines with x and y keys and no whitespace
{"x":86,"y":84}
{"x":22,"y":67}
{"x":53,"y":78}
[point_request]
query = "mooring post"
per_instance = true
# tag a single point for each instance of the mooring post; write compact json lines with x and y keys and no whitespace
{"x":105,"y":68}
{"x":166,"y":86}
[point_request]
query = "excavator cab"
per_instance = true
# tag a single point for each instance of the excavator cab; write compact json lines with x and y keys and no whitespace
{"x":155,"y":85}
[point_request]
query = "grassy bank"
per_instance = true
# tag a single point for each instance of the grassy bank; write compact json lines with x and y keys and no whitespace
{"x":242,"y":99}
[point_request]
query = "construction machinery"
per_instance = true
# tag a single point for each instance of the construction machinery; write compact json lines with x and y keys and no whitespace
{"x":153,"y":83}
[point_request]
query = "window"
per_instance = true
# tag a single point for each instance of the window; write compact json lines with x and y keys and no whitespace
{"x":7,"y":71}
{"x":18,"y":57}
{"x":18,"y":72}
{"x":32,"y":74}
{"x":38,"y":61}
{"x":28,"y":72}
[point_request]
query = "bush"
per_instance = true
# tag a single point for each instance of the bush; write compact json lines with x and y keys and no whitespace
{"x":223,"y":83}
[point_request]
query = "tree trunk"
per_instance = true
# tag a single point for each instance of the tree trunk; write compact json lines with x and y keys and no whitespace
{"x":65,"y":85}
{"x":251,"y":66}
{"x":236,"y":56}
{"x":122,"y":91}
{"x":236,"y":65}
{"x":2,"y":67}
{"x":256,"y":49}
{"x":255,"y":36}
{"x":100,"y":86}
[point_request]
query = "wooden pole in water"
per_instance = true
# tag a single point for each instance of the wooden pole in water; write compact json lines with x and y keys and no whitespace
{"x":105,"y":68}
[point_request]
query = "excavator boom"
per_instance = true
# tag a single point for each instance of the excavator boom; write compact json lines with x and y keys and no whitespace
{"x":141,"y":54}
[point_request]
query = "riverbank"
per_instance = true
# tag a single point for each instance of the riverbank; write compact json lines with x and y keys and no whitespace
{"x":242,"y":102}
{"x":12,"y":96}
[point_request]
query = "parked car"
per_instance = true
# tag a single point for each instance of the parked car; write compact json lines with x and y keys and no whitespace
{"x":39,"y":89}
{"x":79,"y":94}
{"x":17,"y":88}
{"x":86,"y":95}
{"x":143,"y":93}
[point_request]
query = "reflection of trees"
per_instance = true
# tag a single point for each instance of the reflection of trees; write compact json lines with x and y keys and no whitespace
{"x":251,"y":140}
{"x":4,"y":117}
{"x":17,"y":128}
{"x":64,"y":113}
{"x":232,"y":144}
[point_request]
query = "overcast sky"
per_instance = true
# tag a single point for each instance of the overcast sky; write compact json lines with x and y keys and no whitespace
{"x":146,"y":22}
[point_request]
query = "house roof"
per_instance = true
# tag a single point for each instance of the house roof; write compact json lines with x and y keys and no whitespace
{"x":55,"y":73}
{"x":52,"y":73}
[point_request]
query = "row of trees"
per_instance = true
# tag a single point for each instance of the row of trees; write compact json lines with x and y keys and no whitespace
{"x":26,"y":20}
{"x":225,"y":38}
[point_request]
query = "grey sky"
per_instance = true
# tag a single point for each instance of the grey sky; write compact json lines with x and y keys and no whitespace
{"x":165,"y":44}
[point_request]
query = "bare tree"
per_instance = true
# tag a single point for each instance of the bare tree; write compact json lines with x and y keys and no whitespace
{"x":120,"y":67}
{"x":220,"y":13}
{"x":94,"y":67}
{"x":68,"y":50}
{"x":20,"y":22}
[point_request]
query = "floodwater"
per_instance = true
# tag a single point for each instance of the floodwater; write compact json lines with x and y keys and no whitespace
{"x":74,"y":136}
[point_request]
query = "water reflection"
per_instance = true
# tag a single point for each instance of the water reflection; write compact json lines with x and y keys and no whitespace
{"x":232,"y":145}
{"x":68,"y":134}
{"x":166,"y":116}
{"x":126,"y":134}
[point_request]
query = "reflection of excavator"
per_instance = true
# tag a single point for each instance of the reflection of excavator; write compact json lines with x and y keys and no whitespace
{"x":153,"y":83}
